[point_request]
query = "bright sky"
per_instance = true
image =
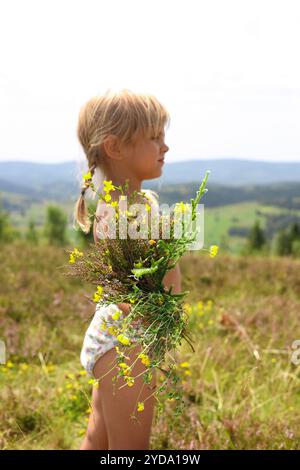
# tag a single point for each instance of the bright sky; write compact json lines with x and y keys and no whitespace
{"x":227,"y":71}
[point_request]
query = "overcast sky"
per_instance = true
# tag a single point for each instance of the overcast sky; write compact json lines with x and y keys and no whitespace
{"x":227,"y":71}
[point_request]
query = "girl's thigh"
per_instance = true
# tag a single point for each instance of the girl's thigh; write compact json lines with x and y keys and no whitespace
{"x":119,"y":402}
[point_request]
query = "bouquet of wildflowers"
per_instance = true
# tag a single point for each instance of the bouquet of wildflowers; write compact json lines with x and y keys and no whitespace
{"x":131,"y":270}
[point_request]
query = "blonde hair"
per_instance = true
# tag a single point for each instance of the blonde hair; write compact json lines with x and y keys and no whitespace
{"x":123,"y":113}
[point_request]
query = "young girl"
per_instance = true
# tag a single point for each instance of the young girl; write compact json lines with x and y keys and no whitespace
{"x":122,"y":134}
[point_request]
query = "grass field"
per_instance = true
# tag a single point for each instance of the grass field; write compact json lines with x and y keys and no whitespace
{"x":241,"y":388}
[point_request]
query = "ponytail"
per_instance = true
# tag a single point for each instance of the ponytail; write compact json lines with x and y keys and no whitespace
{"x":81,"y":215}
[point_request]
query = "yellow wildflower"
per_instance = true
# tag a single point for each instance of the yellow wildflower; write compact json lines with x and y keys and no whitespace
{"x":107,"y":197}
{"x":82,"y":372}
{"x":96,"y":297}
{"x":185,"y":364}
{"x":129,"y":381}
{"x":187,"y":372}
{"x":123,"y":339}
{"x":98,"y":294}
{"x":148,"y":208}
{"x":114,"y":203}
{"x":213,"y":250}
{"x":87,"y":176}
{"x":151,"y":242}
{"x":72,"y":258}
{"x":145,"y":359}
{"x":112,"y":330}
{"x":181,"y":207}
{"x":108,"y":186}
{"x":125,"y":368}
{"x":75,"y":254}
{"x":116,"y":315}
{"x":94,"y":382}
{"x":140,"y":406}
{"x":9,"y":364}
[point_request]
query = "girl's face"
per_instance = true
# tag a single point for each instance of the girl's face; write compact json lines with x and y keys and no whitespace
{"x":146,"y":156}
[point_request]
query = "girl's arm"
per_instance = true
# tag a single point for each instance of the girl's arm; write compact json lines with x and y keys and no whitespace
{"x":173,"y":277}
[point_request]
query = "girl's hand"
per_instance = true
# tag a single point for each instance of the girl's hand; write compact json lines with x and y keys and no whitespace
{"x":125,"y":308}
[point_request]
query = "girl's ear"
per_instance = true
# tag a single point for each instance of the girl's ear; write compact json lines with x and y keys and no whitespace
{"x":112,"y":146}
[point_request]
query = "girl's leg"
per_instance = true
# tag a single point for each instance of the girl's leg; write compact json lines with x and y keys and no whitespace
{"x":96,"y":436}
{"x":123,"y":431}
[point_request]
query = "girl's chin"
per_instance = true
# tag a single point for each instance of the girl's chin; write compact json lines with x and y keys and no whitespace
{"x":156,"y":174}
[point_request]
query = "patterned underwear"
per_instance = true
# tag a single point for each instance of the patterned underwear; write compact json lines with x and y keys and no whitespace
{"x":97,"y":340}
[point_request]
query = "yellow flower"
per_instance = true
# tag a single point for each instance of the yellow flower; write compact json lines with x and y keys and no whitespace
{"x":9,"y":364}
{"x":145,"y":359}
{"x":114,"y":204}
{"x":116,"y":315}
{"x":108,"y":186}
{"x":98,"y":294}
{"x":103,"y":326}
{"x":148,"y":208}
{"x":129,"y":381}
{"x":96,"y":297}
{"x":185,"y":364}
{"x":187,"y":372}
{"x":151,"y":242}
{"x":94,"y":382}
{"x":112,"y":330}
{"x":82,"y":372}
{"x":123,"y":339}
{"x":87,"y":176}
{"x":181,"y":207}
{"x":75,"y":254}
{"x":213,"y":250}
{"x":107,"y":197}
{"x":140,"y":406}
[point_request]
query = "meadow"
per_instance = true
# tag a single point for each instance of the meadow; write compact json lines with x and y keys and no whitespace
{"x":241,"y":388}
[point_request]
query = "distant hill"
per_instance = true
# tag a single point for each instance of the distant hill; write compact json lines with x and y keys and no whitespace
{"x":24,"y":183}
{"x":231,"y":172}
{"x":228,"y":172}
